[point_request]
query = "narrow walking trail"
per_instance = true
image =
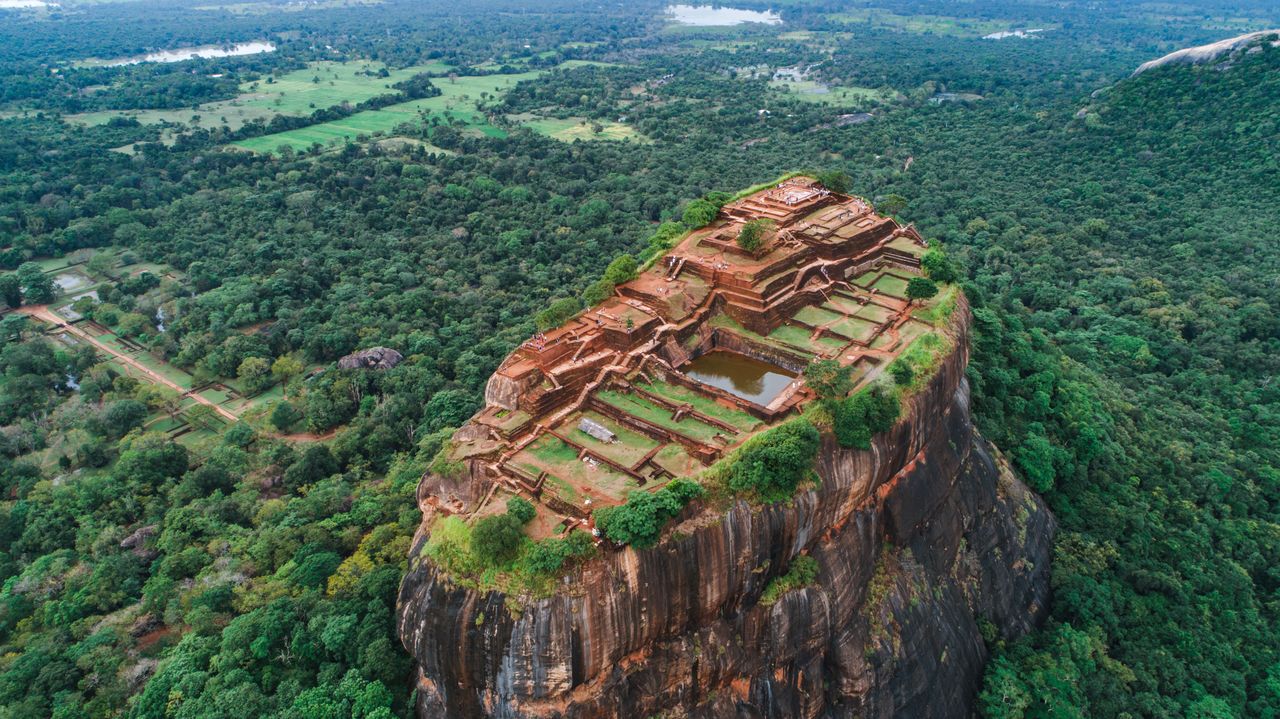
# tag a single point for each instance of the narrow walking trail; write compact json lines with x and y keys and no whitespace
{"x":43,"y":313}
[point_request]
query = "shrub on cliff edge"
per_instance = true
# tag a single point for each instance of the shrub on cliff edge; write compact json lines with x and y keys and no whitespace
{"x":829,"y":379}
{"x":639,"y":522}
{"x":496,"y":540}
{"x":557,"y":313}
{"x":920,"y":288}
{"x":835,"y":180}
{"x":699,"y":213}
{"x":938,"y":267}
{"x":770,"y":465}
{"x":548,"y":556}
{"x":864,"y":415}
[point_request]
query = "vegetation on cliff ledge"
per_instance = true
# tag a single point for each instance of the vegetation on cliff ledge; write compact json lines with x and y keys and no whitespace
{"x":496,"y":554}
{"x":769,"y":466}
{"x":639,"y":521}
{"x":802,"y":573}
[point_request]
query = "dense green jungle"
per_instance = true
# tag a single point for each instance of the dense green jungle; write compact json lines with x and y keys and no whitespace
{"x":202,"y":515}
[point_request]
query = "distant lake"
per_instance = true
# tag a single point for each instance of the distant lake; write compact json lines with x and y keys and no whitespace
{"x":187,"y":53}
{"x":710,"y":15}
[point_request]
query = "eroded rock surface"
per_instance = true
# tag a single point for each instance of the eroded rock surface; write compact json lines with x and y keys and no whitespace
{"x":373,"y":358}
{"x":1204,"y":54}
{"x":921,"y":541}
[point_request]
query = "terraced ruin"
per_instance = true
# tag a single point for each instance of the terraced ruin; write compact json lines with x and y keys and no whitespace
{"x":703,"y":349}
{"x":856,"y":588}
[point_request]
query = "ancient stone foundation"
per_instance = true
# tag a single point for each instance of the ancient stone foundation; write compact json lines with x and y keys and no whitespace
{"x":920,"y":541}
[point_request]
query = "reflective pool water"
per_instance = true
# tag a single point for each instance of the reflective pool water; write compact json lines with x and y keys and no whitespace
{"x":748,"y":378}
{"x":711,"y":15}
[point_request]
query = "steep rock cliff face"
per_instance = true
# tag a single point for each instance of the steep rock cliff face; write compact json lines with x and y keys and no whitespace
{"x":923,"y":542}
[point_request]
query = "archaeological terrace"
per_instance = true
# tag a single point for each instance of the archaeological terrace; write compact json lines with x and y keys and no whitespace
{"x":702,"y":350}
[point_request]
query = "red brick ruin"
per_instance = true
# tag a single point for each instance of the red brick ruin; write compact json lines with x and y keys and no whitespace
{"x":584,"y":413}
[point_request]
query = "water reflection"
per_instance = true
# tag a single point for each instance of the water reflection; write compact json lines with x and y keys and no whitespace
{"x":748,"y":378}
{"x":710,"y":15}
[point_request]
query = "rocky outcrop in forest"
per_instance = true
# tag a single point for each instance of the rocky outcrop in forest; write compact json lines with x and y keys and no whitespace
{"x":925,"y":544}
{"x":1199,"y":55}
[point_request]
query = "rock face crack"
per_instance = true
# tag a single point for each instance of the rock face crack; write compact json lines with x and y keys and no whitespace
{"x":919,"y":541}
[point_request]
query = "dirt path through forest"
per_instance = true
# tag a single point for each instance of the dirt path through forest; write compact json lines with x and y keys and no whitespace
{"x":43,"y":313}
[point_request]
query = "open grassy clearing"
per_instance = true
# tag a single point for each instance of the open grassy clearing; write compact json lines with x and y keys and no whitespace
{"x":927,"y":24}
{"x":855,"y":328}
{"x":403,"y":143}
{"x":866,"y":278}
{"x":923,"y":355}
{"x":907,"y":245}
{"x":786,"y":337}
{"x":457,"y":102}
{"x":840,"y":303}
{"x":606,"y":483}
{"x":54,"y":264}
{"x":146,"y":359}
{"x":201,"y":441}
{"x":75,"y":259}
{"x":522,"y":63}
{"x":512,"y":420}
{"x":699,"y":34}
{"x":215,"y":395}
{"x":661,"y":416}
{"x":913,"y":329}
{"x":552,"y":451}
{"x":630,"y":448}
{"x":938,"y":308}
{"x":874,"y":313}
{"x":319,"y":85}
{"x":325,"y":84}
{"x":677,"y":461}
{"x":816,"y":316}
{"x":891,"y":285}
{"x":563,"y":489}
{"x":799,"y":338}
{"x":159,"y":422}
{"x":573,"y":475}
{"x":830,"y":94}
{"x":706,"y":405}
{"x":577,"y":128}
{"x":241,"y":405}
{"x":860,"y":370}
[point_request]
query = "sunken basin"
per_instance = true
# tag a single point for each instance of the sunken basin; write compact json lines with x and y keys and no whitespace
{"x":746,"y":377}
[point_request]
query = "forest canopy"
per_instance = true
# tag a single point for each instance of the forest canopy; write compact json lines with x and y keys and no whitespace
{"x":1114,"y":235}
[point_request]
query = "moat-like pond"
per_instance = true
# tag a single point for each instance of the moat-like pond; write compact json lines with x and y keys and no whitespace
{"x":715,"y":15}
{"x":744,"y":376}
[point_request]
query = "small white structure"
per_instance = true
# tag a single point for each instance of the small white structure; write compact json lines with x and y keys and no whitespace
{"x":597,"y":430}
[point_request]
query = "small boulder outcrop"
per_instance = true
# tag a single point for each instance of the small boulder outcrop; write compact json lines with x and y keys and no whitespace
{"x":380,"y":358}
